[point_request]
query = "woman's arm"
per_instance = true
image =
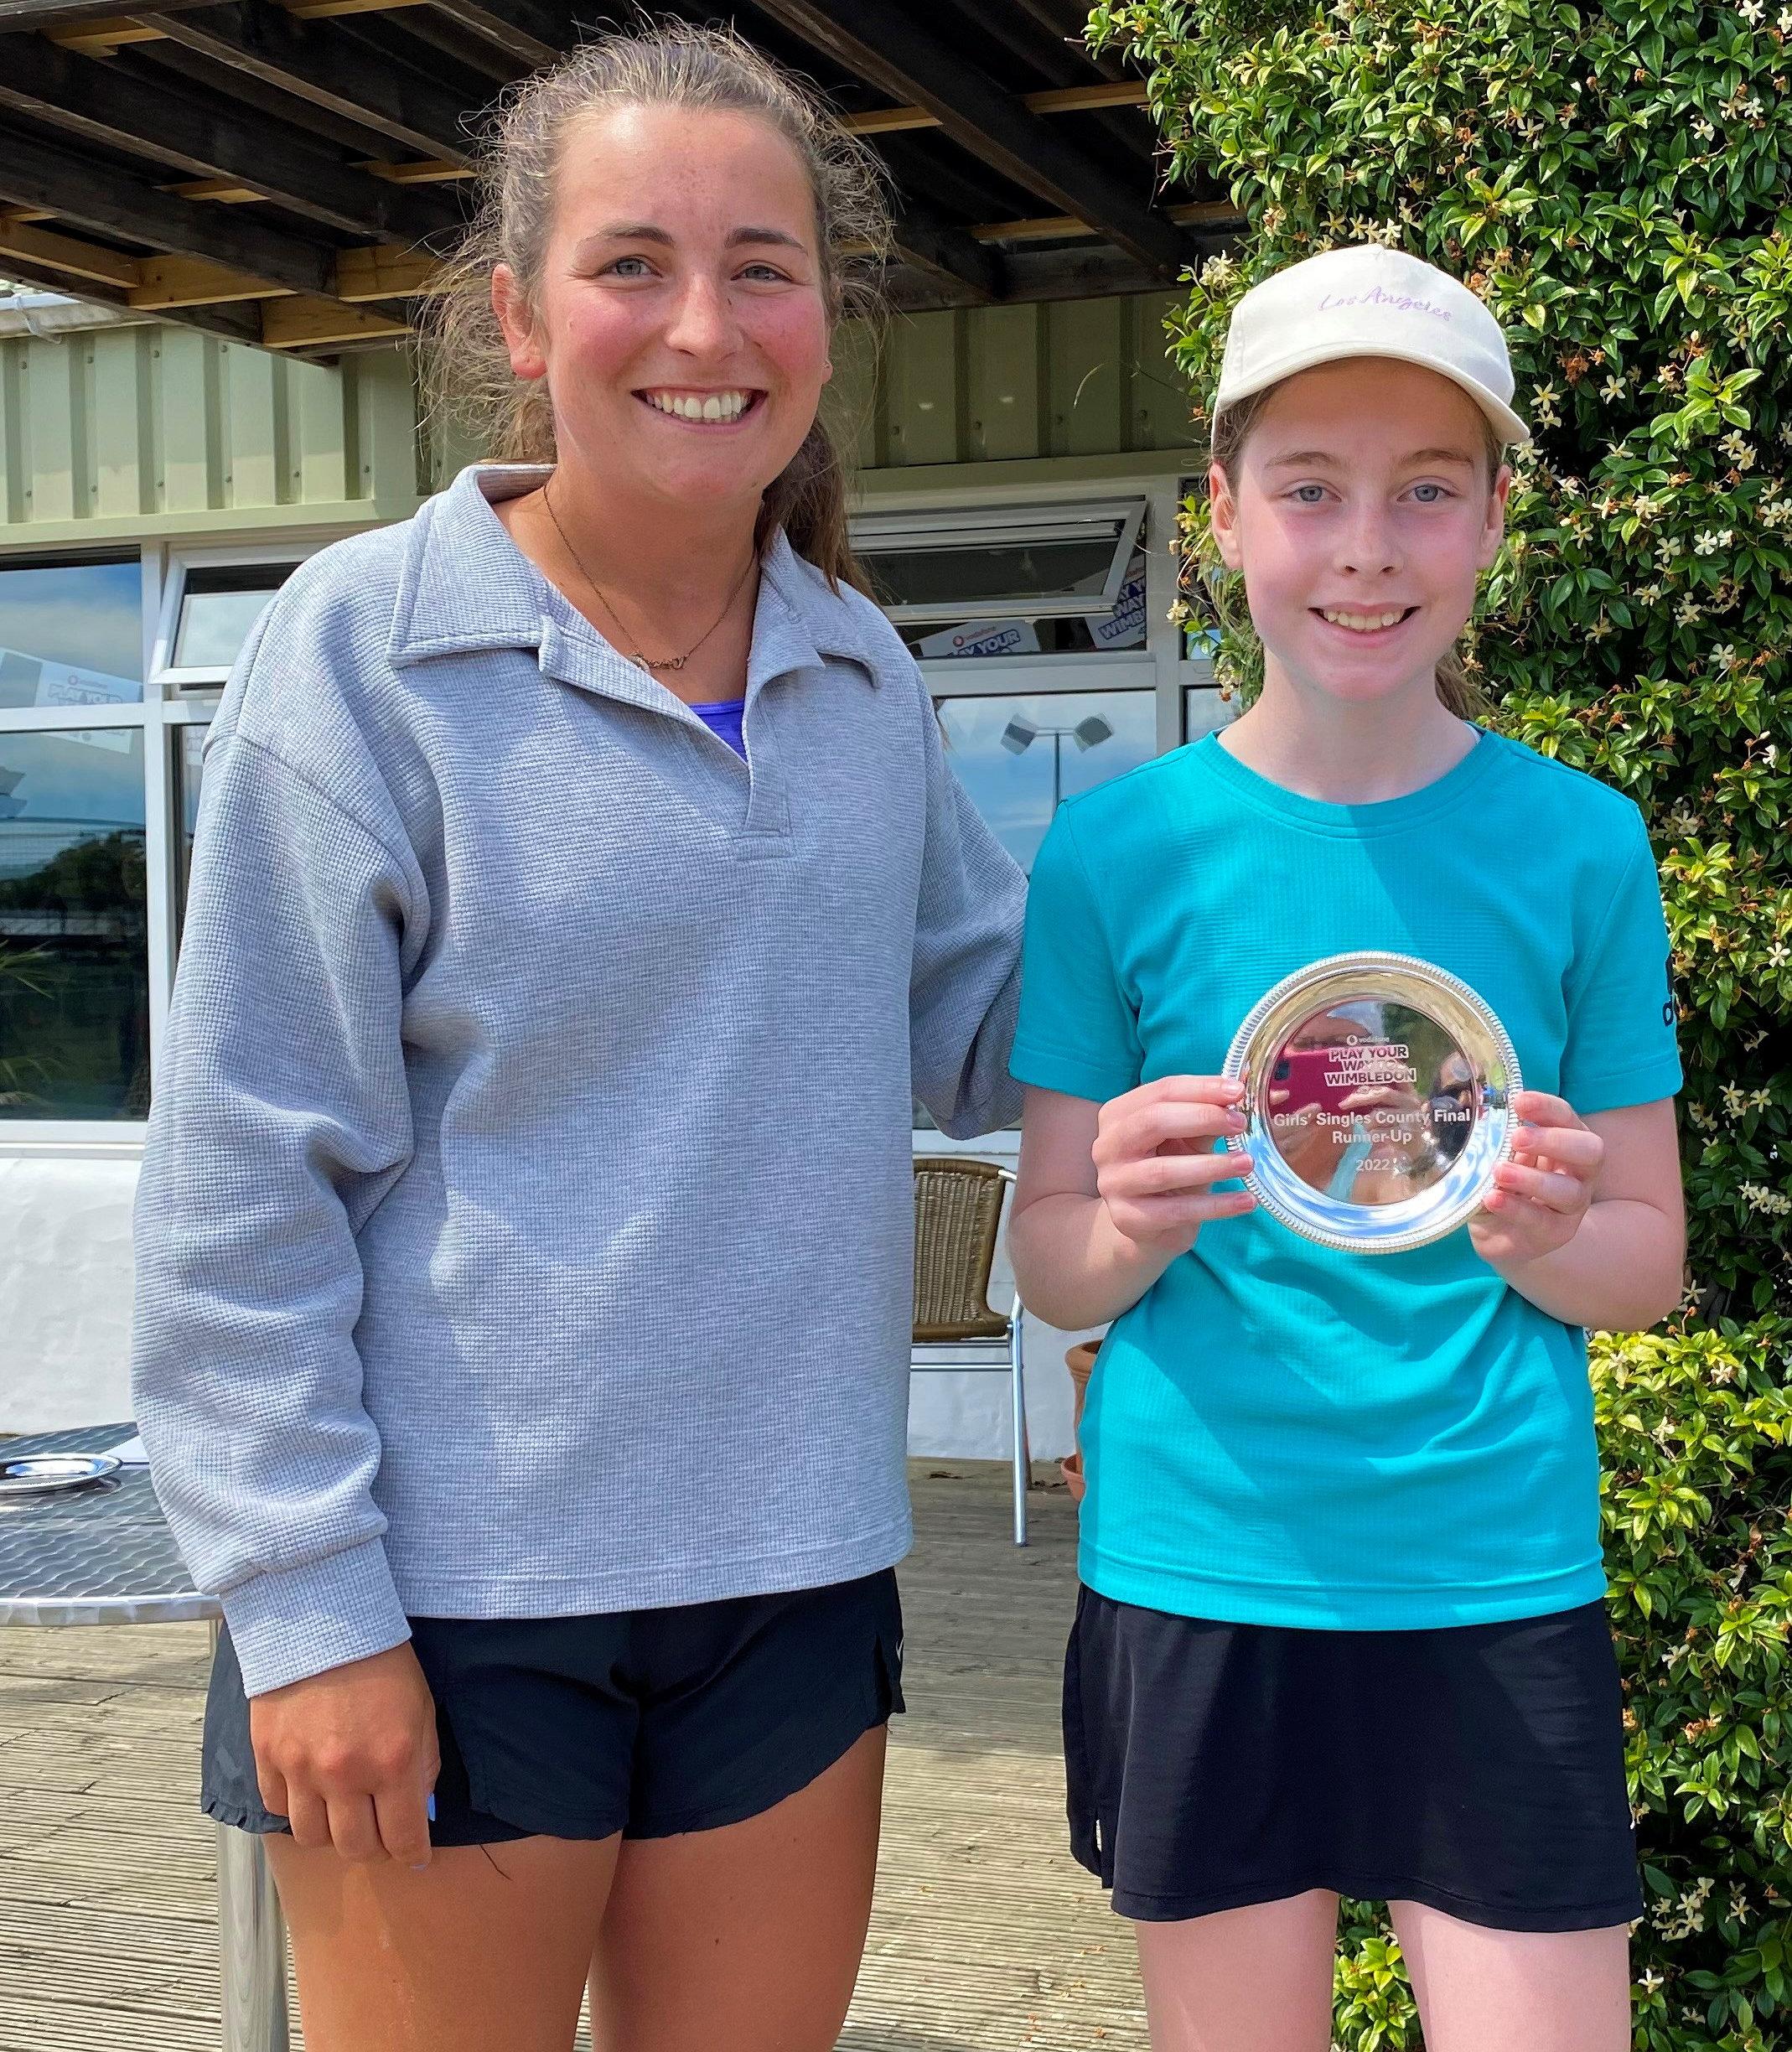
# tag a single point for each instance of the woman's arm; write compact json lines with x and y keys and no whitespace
{"x":1588,"y":1221}
{"x":1110,"y":1194}
{"x":281,"y":1116}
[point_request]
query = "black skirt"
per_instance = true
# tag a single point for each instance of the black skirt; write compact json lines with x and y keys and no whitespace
{"x":1476,"y":1768}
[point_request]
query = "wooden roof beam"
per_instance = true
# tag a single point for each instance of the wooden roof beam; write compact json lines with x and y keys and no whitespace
{"x":877,"y":39}
{"x":305,"y":62}
{"x":936,"y":247}
{"x":208,"y":140}
{"x":109,"y":202}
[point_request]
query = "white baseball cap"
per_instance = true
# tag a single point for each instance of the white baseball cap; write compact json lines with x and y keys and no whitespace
{"x":1369,"y":301}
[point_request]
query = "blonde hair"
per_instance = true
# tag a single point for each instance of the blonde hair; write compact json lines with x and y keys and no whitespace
{"x":1456,"y":688}
{"x":675,"y":64}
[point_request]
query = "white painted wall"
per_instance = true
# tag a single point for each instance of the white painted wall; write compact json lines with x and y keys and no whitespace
{"x":65,"y":1323}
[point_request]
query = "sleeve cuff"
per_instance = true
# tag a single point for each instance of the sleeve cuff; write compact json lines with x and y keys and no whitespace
{"x":1634,"y":1086}
{"x":297,"y":1622}
{"x":1047,"y":1070}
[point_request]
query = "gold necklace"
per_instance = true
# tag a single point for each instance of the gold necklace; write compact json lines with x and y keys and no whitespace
{"x":643,"y":661}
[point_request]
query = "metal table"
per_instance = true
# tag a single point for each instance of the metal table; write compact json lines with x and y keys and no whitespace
{"x":102,"y":1554}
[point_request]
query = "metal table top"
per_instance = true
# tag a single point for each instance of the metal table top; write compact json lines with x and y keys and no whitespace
{"x":101,"y":1554}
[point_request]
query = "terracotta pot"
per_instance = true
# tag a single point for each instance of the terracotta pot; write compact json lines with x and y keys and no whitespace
{"x":1080,"y":1361}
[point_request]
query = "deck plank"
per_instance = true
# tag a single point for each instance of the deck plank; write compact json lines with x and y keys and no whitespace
{"x":986,"y":1936}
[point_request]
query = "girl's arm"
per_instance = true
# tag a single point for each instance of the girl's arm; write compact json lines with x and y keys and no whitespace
{"x":1587,"y":1220}
{"x":1110,"y":1194}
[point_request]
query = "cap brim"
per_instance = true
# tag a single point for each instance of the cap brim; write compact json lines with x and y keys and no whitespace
{"x":1506,"y":423}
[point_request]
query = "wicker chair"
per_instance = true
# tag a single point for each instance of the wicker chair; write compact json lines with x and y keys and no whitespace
{"x":958,"y":1204}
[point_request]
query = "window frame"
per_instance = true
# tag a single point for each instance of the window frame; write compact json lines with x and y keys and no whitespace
{"x":160,"y":665}
{"x":173,"y":698}
{"x":941,"y":525}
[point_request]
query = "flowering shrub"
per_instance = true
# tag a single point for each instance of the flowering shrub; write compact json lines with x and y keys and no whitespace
{"x":1613,"y":182}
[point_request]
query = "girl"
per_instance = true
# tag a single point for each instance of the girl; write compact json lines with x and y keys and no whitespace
{"x":1341,"y":1630}
{"x":579,"y":886}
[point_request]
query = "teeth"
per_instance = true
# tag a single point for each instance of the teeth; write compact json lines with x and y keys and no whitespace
{"x":1365,"y":623}
{"x":713,"y":406}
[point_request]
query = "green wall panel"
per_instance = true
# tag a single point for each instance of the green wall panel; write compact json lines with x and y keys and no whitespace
{"x":114,"y":433}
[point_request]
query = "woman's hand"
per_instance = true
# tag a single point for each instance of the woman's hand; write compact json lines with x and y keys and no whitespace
{"x":1155,"y":1160}
{"x":348,"y":1757}
{"x":1543,"y":1192}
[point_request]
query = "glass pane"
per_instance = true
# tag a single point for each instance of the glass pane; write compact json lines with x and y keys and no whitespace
{"x":1075,"y":634}
{"x":218,"y":607}
{"x":188,"y":773}
{"x":71,"y":634}
{"x":976,"y":573}
{"x":73,"y":964}
{"x":1204,"y":712}
{"x":1017,"y":757}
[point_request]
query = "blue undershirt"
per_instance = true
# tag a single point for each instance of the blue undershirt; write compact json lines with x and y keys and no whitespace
{"x":722,"y":718}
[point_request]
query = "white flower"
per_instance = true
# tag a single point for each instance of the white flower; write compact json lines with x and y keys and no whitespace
{"x":1688,"y":611}
{"x":1599,"y":629}
{"x":1645,"y":508}
{"x":1785,"y":21}
{"x":1779,"y":954}
{"x":1752,"y":108}
{"x":1648,"y":595}
{"x":1613,"y":388}
{"x":1751,"y":11}
{"x":1713,"y":539}
{"x":1776,"y":512}
{"x":1669,"y":547}
{"x":1735,"y":1101}
{"x":1724,"y":655}
{"x":1703,"y":129}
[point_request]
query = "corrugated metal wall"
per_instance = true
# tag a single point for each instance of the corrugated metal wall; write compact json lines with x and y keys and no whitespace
{"x":127,"y":433}
{"x":1066,"y":377}
{"x":133,"y":432}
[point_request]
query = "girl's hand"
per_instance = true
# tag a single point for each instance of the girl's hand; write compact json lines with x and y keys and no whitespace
{"x":348,"y":1757}
{"x":1156,"y":1164}
{"x":1542,"y":1194}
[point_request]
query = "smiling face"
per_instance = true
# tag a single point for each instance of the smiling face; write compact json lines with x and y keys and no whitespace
{"x":680,"y":320}
{"x":1360,"y":510}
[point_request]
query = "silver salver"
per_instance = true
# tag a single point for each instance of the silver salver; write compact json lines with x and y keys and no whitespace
{"x":33,"y":1474}
{"x":1378,"y":1092}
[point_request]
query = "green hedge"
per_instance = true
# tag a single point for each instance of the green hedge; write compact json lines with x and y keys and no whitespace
{"x":1613,"y":182}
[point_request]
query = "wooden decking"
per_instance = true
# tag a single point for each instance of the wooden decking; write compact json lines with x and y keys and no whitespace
{"x":986,"y":1933}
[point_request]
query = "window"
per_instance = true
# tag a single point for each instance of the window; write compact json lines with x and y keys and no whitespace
{"x":207,"y":609}
{"x":1018,"y":758}
{"x":70,"y":634}
{"x":74,"y":962}
{"x":1028,"y":563}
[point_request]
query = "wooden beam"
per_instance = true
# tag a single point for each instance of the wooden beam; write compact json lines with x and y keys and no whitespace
{"x":421,"y":171}
{"x":113,"y":203}
{"x":210,"y":140}
{"x":303,"y":59}
{"x":1060,"y":100}
{"x":53,"y":15}
{"x":165,"y":283}
{"x":936,"y":246}
{"x":302,"y":324}
{"x":878,"y":39}
{"x":64,"y":253}
{"x":224,"y":192}
{"x":234,"y":323}
{"x":535,"y":32}
{"x":363,"y":274}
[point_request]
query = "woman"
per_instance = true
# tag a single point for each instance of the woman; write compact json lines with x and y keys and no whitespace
{"x":525,"y":1229}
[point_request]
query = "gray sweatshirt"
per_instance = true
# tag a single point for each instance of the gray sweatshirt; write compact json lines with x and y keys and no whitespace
{"x":526,"y":1223}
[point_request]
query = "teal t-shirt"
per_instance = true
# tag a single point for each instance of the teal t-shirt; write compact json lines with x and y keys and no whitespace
{"x":1278,"y":1433}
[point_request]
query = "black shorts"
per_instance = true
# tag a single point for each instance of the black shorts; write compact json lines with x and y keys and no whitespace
{"x":645,"y":1722}
{"x":1477,"y":1768}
